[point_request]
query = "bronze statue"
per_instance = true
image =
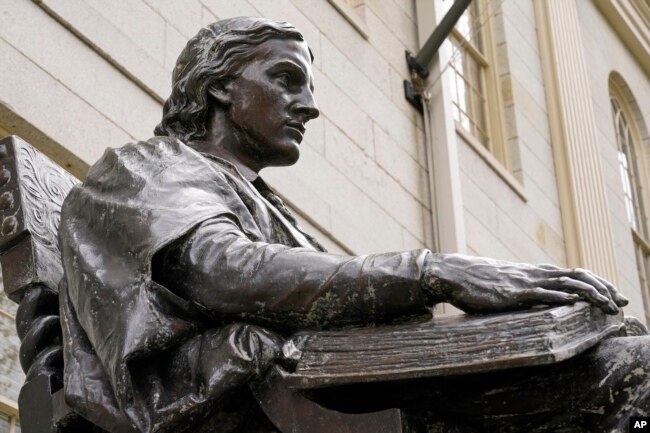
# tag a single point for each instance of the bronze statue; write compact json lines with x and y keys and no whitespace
{"x":185,"y":272}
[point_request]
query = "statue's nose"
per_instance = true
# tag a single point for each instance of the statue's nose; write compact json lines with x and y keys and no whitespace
{"x":306,"y":106}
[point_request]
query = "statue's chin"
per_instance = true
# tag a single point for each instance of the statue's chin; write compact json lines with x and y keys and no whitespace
{"x":288,"y":156}
{"x":286,"y":161}
{"x":295,"y":156}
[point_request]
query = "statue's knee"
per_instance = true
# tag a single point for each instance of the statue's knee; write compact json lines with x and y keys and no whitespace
{"x":639,"y":348}
{"x":631,"y":352}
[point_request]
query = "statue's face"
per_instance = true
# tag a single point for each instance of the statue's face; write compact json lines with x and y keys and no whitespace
{"x":271,"y":101}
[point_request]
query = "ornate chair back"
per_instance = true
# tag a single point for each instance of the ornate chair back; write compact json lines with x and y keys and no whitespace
{"x":32,"y":189}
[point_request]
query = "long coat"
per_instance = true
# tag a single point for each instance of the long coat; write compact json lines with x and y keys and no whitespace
{"x":237,"y":276}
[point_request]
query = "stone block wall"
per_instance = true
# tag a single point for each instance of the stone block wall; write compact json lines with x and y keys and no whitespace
{"x":84,"y":75}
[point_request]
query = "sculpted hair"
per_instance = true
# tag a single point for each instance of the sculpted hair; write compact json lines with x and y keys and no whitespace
{"x":217,"y":53}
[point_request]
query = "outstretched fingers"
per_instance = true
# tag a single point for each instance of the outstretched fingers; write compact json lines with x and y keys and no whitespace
{"x":618,"y":298}
{"x":603,"y":286}
{"x":586,"y":291}
{"x":590,"y":278}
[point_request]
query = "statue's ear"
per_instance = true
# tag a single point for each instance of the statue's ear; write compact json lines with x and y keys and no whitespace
{"x":219,"y":91}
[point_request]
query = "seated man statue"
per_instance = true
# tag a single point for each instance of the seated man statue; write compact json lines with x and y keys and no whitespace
{"x":185,"y":272}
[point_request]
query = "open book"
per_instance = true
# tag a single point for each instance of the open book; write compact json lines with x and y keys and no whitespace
{"x":447,"y":345}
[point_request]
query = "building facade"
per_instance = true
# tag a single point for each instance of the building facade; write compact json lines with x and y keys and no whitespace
{"x":534,"y":145}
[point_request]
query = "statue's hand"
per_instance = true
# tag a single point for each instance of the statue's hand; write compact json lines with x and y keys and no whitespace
{"x":477,"y":284}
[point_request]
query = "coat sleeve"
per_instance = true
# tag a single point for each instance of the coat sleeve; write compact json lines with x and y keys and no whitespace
{"x":231,"y":277}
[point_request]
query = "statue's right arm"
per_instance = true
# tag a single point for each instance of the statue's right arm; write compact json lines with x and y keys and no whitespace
{"x":483,"y":285}
{"x":230,"y":277}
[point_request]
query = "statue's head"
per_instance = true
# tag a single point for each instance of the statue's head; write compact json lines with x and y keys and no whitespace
{"x":254,"y":69}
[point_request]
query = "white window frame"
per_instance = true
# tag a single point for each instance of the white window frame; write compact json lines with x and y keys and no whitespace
{"x":640,"y":195}
{"x":492,"y":105}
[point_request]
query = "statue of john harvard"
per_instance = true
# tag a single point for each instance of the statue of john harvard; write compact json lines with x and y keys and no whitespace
{"x":185,"y":272}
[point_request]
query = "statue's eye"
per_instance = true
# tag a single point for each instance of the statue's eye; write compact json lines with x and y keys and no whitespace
{"x":284,"y":78}
{"x":290,"y":78}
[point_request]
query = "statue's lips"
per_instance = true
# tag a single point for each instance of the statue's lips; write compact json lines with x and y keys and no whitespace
{"x":296,"y":129}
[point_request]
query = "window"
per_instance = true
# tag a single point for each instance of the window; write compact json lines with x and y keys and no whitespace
{"x":8,"y":417}
{"x":628,"y":164}
{"x":475,"y":87}
{"x":631,"y":164}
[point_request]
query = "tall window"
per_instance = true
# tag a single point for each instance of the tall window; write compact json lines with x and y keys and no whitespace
{"x":628,"y":164}
{"x":475,"y":91}
{"x":635,"y":180}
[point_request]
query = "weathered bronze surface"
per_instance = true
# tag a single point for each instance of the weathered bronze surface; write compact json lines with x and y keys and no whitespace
{"x":185,"y":276}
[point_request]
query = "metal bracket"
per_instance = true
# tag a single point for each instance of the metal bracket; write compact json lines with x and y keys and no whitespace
{"x":413,"y":96}
{"x":418,"y":65}
{"x":413,"y":89}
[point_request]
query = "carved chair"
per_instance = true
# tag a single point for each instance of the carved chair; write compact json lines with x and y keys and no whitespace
{"x":32,"y":189}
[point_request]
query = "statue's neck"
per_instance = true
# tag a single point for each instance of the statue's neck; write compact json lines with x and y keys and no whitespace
{"x":224,"y":141}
